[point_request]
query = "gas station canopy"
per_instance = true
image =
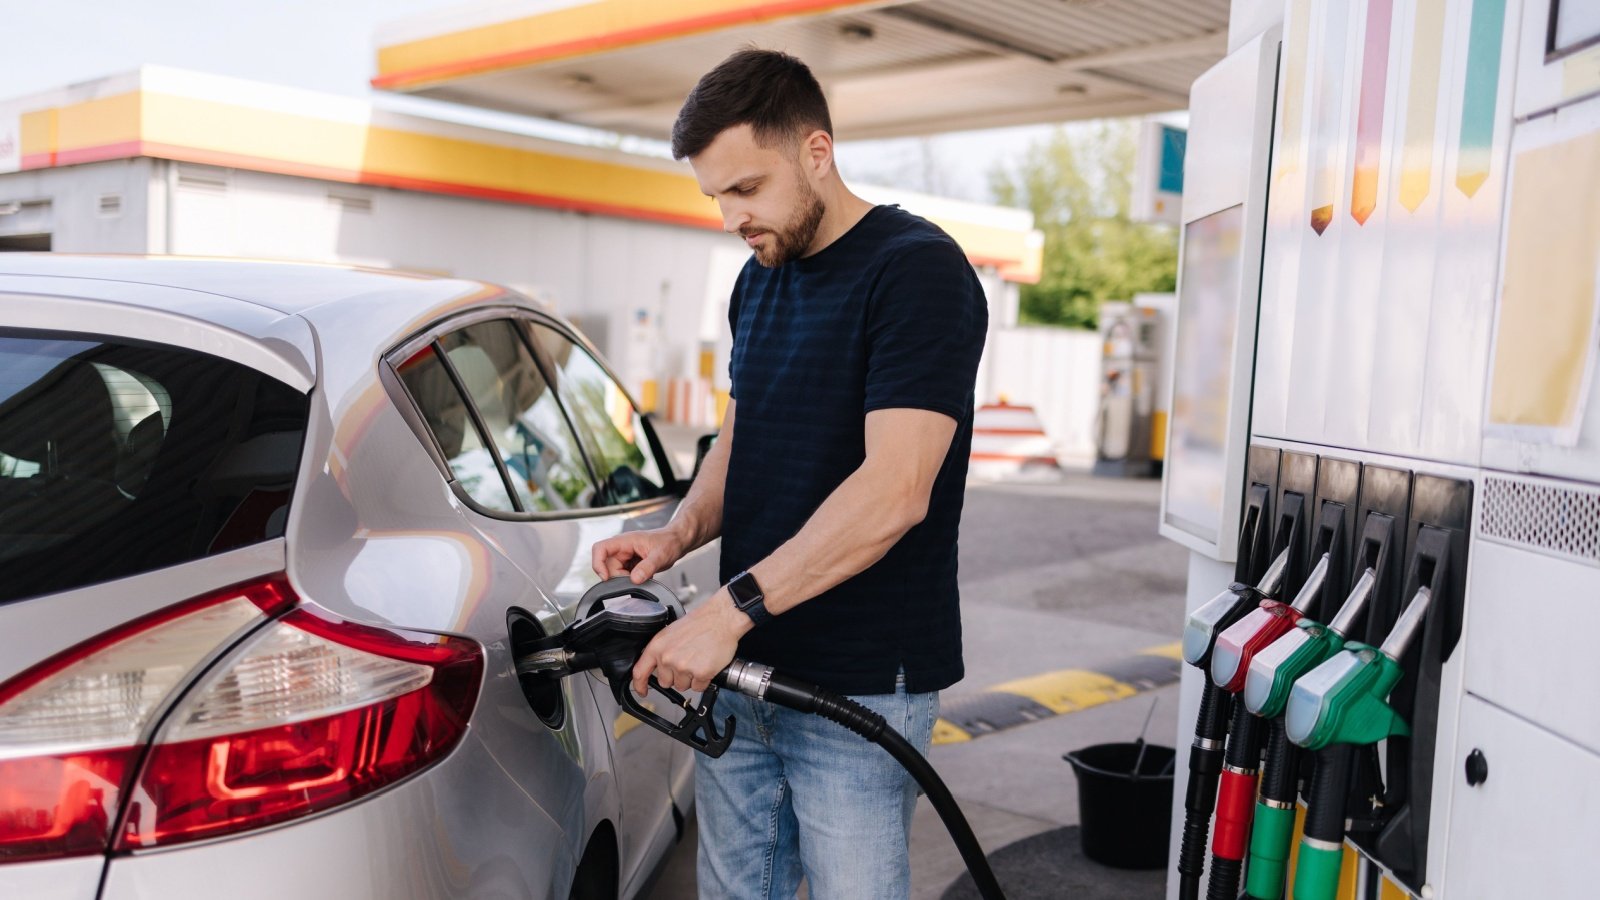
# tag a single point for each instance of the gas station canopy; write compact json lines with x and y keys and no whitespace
{"x":890,"y":68}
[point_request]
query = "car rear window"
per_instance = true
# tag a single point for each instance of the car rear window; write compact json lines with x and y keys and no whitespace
{"x":119,"y":457}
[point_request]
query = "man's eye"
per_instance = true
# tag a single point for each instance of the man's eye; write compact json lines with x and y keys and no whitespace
{"x":744,"y":191}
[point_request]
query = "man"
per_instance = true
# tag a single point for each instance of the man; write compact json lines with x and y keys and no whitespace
{"x":836,"y":487}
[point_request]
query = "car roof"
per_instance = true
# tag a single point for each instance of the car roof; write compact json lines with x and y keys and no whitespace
{"x":290,"y":288}
{"x":264,"y":313}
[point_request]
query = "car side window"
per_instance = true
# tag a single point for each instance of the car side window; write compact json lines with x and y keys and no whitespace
{"x":446,"y":413}
{"x":612,"y":430}
{"x":524,"y":420}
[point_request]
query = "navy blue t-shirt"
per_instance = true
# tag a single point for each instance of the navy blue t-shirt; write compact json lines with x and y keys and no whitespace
{"x":890,"y":315}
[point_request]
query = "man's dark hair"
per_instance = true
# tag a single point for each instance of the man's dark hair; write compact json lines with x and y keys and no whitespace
{"x":772,"y":92}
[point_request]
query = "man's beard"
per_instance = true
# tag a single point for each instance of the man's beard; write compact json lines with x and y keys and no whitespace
{"x":796,"y":235}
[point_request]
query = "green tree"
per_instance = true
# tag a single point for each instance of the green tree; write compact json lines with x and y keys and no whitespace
{"x":1078,"y":183}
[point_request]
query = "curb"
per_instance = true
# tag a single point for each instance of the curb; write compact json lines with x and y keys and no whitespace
{"x":969,"y":716}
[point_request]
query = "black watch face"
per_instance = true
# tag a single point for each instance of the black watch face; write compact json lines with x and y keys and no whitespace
{"x":744,"y":589}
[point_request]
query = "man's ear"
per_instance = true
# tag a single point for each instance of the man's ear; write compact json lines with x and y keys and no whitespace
{"x":816,"y":153}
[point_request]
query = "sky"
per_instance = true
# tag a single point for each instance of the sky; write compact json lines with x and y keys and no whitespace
{"x":326,"y":45}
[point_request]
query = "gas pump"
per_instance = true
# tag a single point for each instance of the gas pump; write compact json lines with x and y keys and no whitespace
{"x":1130,"y":353}
{"x":1429,"y":318}
{"x":1346,"y":699}
{"x":617,"y":619}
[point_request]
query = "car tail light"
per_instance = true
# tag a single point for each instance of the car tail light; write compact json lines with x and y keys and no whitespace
{"x":305,"y":713}
{"x":71,"y":726}
{"x":311,"y":713}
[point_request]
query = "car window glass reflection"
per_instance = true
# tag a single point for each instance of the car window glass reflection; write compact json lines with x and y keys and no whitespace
{"x":523,"y":418}
{"x":446,"y":413}
{"x":612,"y":429}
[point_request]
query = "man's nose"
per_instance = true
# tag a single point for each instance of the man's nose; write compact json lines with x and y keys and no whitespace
{"x":733,"y":218}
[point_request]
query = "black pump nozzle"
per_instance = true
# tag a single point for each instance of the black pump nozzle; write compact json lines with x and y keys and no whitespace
{"x":616,"y":619}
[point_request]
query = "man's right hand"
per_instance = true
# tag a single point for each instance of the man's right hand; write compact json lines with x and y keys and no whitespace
{"x":639,"y":554}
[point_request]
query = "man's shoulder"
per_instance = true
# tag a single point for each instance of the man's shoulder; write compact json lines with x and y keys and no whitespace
{"x":916,"y":250}
{"x":904,"y":232}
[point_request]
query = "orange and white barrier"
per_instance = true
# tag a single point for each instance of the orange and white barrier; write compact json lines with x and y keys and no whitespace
{"x":1007,"y":439}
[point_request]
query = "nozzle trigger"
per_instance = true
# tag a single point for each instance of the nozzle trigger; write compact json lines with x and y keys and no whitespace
{"x":698,"y":727}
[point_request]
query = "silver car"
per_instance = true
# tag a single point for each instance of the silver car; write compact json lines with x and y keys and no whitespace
{"x":269,"y":535}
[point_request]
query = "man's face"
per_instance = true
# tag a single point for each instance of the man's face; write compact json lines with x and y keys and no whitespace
{"x":765,"y":196}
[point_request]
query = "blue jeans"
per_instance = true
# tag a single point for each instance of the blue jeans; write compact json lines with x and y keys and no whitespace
{"x":797,"y":793}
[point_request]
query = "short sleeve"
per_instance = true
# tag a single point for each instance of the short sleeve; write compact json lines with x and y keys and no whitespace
{"x":926,"y":325}
{"x":734,"y":299}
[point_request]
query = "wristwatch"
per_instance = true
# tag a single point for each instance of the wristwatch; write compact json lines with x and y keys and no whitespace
{"x":748,"y":598}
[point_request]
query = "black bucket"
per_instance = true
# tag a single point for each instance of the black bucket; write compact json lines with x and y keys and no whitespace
{"x":1126,"y":816}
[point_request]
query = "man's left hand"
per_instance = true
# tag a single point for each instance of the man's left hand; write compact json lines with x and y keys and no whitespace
{"x":690,"y":652}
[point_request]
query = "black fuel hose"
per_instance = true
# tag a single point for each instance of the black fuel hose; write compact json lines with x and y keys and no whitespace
{"x":1200,"y":800}
{"x":1318,"y":868}
{"x":1325,"y":806}
{"x":1280,"y":769}
{"x":1272,"y":832}
{"x":762,"y":683}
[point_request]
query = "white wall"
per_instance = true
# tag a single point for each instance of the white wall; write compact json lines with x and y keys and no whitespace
{"x":1057,"y":372}
{"x":70,"y":213}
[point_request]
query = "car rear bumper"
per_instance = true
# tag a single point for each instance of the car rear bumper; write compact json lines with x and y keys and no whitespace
{"x":461,"y":829}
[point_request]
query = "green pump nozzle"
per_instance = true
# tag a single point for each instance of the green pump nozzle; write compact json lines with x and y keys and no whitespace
{"x":1345,"y":699}
{"x":1274,"y":670}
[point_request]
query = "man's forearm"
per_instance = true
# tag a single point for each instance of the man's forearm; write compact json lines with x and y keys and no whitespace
{"x":699,"y":517}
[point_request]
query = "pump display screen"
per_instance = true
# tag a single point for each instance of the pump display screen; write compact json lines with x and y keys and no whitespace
{"x":1202,"y":387}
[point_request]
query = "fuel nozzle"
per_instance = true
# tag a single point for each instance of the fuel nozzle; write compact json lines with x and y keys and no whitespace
{"x":1215,"y":615}
{"x":1345,"y":699}
{"x":1274,"y":670}
{"x":616,"y":619}
{"x":1258,"y":628}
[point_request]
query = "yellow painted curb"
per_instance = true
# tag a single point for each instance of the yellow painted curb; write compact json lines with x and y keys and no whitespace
{"x":1068,"y":690}
{"x":946,"y":733}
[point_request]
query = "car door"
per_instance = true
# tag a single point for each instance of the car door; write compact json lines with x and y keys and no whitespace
{"x":634,"y":472}
{"x":522,"y":465}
